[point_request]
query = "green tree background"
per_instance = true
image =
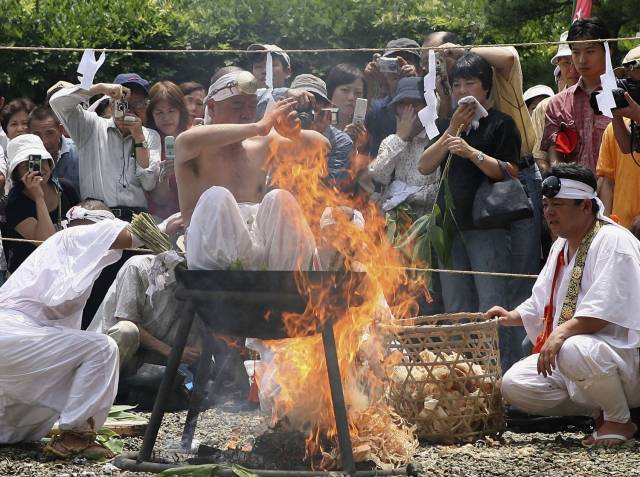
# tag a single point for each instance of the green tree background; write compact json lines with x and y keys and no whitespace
{"x":224,"y":24}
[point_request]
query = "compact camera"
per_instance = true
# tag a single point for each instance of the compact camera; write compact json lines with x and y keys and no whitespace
{"x":388,"y":65}
{"x":35,"y":163}
{"x":120,"y":108}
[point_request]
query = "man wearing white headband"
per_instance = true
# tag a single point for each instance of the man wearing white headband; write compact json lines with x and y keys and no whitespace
{"x":222,"y":176}
{"x":582,"y":316}
{"x":50,"y":370}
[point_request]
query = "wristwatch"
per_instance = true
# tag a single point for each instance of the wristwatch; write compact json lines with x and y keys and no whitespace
{"x":144,"y":144}
{"x":480,"y":157}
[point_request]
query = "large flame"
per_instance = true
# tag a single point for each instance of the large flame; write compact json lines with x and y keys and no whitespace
{"x":297,"y":383}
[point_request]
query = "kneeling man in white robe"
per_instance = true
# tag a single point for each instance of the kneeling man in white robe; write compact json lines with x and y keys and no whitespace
{"x":50,"y":370}
{"x":583,"y":316}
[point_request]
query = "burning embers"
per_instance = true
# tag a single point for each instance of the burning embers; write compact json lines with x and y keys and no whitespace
{"x":292,"y":375}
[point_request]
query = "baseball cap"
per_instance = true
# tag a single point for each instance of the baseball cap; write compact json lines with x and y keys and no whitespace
{"x":563,"y":49}
{"x":312,"y":84}
{"x":21,"y":147}
{"x":633,"y":56}
{"x":411,"y":89}
{"x":275,"y":49}
{"x":538,"y":90}
{"x":131,"y":79}
{"x":400,"y":45}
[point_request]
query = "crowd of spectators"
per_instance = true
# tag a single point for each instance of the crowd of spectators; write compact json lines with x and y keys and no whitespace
{"x":81,"y":145}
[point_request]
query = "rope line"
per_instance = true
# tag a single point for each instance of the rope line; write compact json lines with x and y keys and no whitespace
{"x":435,"y":270}
{"x":311,"y":50}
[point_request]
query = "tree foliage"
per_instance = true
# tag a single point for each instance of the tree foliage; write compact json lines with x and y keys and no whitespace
{"x":296,"y":24}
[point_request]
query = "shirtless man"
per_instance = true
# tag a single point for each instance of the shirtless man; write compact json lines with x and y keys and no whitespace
{"x":222,"y":176}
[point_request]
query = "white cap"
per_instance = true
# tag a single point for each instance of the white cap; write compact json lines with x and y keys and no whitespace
{"x":538,"y":90}
{"x":21,"y":147}
{"x":563,"y":49}
{"x":275,"y":49}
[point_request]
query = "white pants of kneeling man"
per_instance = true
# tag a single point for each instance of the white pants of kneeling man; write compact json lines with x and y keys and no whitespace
{"x":50,"y":373}
{"x":591,"y":376}
{"x":271,"y":235}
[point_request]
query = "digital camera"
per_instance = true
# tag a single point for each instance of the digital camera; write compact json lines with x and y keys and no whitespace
{"x":120,"y":108}
{"x":35,"y":163}
{"x":388,"y":65}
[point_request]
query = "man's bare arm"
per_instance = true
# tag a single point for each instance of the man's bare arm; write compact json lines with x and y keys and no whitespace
{"x":191,"y":143}
{"x":605,"y":192}
{"x":501,"y":58}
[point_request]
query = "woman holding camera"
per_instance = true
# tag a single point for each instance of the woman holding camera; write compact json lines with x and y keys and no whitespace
{"x":167,"y":113}
{"x":37,"y":202}
{"x":474,"y":154}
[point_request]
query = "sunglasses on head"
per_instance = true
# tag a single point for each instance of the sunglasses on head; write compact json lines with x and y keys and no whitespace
{"x":551,"y":187}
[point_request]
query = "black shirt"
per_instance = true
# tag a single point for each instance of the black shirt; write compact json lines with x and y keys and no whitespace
{"x":21,"y":207}
{"x":497,"y":136}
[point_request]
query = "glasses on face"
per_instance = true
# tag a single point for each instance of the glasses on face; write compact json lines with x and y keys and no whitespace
{"x":551,"y":187}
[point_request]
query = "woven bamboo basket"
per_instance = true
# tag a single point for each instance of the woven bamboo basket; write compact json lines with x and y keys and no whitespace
{"x":447,"y":377}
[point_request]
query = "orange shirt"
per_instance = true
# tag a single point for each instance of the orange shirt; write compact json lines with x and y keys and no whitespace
{"x":612,"y":163}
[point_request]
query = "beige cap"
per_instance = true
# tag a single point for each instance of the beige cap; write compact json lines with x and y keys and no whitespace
{"x":632,"y":56}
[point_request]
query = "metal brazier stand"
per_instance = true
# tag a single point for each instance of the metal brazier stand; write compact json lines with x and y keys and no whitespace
{"x":251,"y":304}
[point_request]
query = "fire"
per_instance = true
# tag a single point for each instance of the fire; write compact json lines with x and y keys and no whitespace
{"x":294,"y":381}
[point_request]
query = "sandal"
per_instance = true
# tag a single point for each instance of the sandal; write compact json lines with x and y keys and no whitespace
{"x":77,"y":443}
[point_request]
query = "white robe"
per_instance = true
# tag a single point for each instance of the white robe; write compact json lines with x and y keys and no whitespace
{"x":598,"y":372}
{"x":610,"y":288}
{"x":272,"y":235}
{"x":49,"y":369}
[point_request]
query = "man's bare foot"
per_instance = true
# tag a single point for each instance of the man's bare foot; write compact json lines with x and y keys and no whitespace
{"x":71,"y":443}
{"x":618,"y":433}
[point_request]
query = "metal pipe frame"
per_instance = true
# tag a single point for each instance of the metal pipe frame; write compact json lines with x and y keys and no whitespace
{"x":337,"y":399}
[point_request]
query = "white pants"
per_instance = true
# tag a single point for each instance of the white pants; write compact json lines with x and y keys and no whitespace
{"x":272,"y":235}
{"x":50,"y":373}
{"x":591,"y":377}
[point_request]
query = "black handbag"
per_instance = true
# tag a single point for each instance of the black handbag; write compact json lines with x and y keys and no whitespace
{"x":497,"y":204}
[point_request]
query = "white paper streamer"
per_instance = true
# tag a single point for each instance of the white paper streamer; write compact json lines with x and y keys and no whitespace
{"x":429,"y":113}
{"x":269,"y":82}
{"x":605,"y":99}
{"x":88,"y":67}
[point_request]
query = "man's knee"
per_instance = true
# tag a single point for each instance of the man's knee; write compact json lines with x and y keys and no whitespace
{"x":216,"y":196}
{"x":512,"y":389}
{"x":583,"y":357}
{"x":127,"y":338}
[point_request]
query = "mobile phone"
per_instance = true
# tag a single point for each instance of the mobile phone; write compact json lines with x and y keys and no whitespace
{"x":120,"y":108}
{"x":169,"y":148}
{"x":359,"y":111}
{"x":35,"y":163}
{"x":388,"y":65}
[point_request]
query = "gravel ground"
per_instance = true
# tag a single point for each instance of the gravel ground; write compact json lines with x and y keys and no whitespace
{"x":517,"y":455}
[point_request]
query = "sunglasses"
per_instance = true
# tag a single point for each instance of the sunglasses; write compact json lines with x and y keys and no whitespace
{"x":631,"y":65}
{"x":551,"y":187}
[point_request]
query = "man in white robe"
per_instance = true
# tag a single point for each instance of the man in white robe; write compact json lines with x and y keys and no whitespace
{"x":585,"y":359}
{"x":50,"y":370}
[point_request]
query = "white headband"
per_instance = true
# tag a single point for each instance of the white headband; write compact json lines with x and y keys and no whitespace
{"x":327,"y":219}
{"x":80,"y":213}
{"x":570,"y":189}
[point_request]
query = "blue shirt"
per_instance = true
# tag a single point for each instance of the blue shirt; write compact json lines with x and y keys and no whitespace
{"x":67,"y":165}
{"x":339,"y":160}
